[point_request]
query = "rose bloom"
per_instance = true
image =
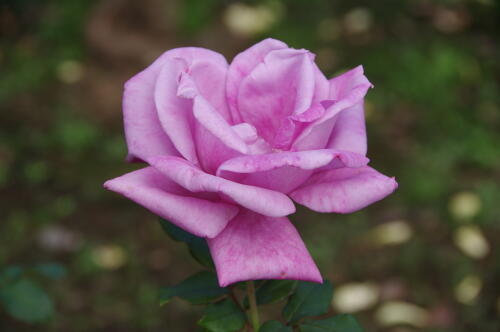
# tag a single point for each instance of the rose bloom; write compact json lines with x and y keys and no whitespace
{"x":229,"y":148}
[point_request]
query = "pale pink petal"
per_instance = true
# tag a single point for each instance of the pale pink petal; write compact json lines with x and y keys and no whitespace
{"x":344,"y":190}
{"x":346,"y":91}
{"x":144,"y":134}
{"x":151,"y":189}
{"x":284,"y":171}
{"x":242,"y":65}
{"x":280,"y":86}
{"x":314,"y":136}
{"x":208,"y":117}
{"x":264,"y":201}
{"x":246,"y":132}
{"x":307,"y":160}
{"x":255,"y":247}
{"x":210,"y":81}
{"x":216,"y":140}
{"x":175,"y":112}
{"x":321,"y":86}
{"x":349,"y":132}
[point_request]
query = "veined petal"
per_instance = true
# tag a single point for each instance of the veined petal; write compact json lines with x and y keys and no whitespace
{"x":344,"y":190}
{"x":157,"y":193}
{"x":253,"y":247}
{"x":263,"y":201}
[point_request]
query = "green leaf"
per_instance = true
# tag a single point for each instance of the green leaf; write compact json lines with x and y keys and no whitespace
{"x":11,"y":273}
{"x":175,"y":232}
{"x":200,"y":288}
{"x":274,"y":326}
{"x":51,"y":270}
{"x":340,"y":323}
{"x":198,"y":247}
{"x":309,"y":299}
{"x":272,"y":291}
{"x":223,"y":316}
{"x":26,"y":301}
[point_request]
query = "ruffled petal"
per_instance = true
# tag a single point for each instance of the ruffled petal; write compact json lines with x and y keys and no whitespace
{"x":344,"y":190}
{"x":260,"y":200}
{"x":151,"y":189}
{"x":284,"y":171}
{"x":143,"y":131}
{"x":208,"y":116}
{"x":254,"y":247}
{"x":280,"y":86}
{"x":346,"y":91}
{"x":242,"y":65}
{"x":216,"y":140}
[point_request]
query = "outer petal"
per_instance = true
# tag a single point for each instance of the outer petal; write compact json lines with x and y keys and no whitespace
{"x":285,"y":171}
{"x":175,"y":112}
{"x":151,"y":189}
{"x":143,"y":131}
{"x":344,"y":190}
{"x":346,"y":91}
{"x":264,"y":201}
{"x":242,"y":65}
{"x":254,"y":247}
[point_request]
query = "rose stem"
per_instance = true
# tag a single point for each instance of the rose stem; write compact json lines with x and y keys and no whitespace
{"x":254,"y":314}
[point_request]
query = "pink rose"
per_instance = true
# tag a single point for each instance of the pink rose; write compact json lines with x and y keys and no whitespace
{"x":229,"y":146}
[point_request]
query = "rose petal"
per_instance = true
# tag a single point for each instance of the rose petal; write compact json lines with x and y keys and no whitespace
{"x":307,"y":160}
{"x":151,"y":189}
{"x":210,"y":82}
{"x":349,"y":132}
{"x":254,"y":247}
{"x":242,"y":65}
{"x":175,"y":112}
{"x":216,"y":140}
{"x":209,"y":118}
{"x":264,"y":201}
{"x":284,"y":171}
{"x":144,"y":134}
{"x":281,"y":85}
{"x":246,"y":131}
{"x":344,"y":190}
{"x":346,"y":90}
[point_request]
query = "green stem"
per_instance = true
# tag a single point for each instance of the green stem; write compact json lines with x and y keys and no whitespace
{"x":254,"y":314}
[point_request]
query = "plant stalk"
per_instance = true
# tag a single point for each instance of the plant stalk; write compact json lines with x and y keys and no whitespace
{"x":254,"y":313}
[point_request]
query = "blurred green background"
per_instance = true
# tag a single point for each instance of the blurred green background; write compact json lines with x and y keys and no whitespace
{"x":74,"y":257}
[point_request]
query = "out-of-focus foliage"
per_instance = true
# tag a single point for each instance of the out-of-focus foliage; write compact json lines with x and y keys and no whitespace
{"x":428,"y":253}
